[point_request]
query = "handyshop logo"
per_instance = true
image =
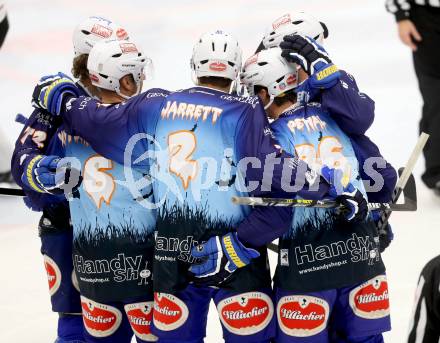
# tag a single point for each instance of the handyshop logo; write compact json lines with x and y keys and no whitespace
{"x":246,"y":313}
{"x":182,"y":248}
{"x":360,"y":248}
{"x":121,"y":268}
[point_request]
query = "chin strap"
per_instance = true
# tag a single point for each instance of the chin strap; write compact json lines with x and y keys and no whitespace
{"x":126,"y":97}
{"x":269,"y":103}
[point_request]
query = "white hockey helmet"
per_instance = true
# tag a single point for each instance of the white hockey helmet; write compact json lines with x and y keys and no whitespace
{"x":110,"y":60}
{"x":268,"y":69}
{"x":288,"y":24}
{"x":95,"y":29}
{"x":216,"y":54}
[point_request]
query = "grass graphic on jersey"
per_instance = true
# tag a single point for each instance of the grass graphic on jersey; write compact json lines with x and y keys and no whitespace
{"x":98,"y":235}
{"x":195,"y":220}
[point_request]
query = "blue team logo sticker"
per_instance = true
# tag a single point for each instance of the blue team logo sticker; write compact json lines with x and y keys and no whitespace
{"x":246,"y":313}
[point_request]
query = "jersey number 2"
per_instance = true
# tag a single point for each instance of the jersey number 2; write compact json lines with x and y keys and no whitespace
{"x":181,"y":146}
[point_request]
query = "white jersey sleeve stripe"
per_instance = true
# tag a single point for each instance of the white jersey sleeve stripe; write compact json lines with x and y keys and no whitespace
{"x":421,"y":325}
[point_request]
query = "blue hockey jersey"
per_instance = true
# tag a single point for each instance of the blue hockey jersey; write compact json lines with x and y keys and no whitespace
{"x":321,"y":250}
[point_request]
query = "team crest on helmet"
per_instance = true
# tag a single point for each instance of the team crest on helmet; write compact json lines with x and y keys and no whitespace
{"x":217,"y":66}
{"x":53,"y":273}
{"x":302,"y":315}
{"x":102,"y":31}
{"x":246,"y":313}
{"x":283,"y":20}
{"x":100,"y":320}
{"x":170,"y":312}
{"x":128,"y":48}
{"x":370,"y":300}
{"x":121,"y":34}
{"x":140,"y":316}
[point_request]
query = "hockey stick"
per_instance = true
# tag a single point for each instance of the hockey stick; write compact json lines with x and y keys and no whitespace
{"x":403,"y":179}
{"x":18,"y":192}
{"x":408,"y":205}
{"x":405,"y":184}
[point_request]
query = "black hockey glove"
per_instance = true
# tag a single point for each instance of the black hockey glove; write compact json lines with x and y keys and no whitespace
{"x":312,"y":58}
{"x":355,"y":206}
{"x":50,"y":91}
{"x":221,"y":256}
{"x":386,"y":235}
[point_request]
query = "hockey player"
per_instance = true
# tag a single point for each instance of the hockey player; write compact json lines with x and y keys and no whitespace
{"x":425,"y":324}
{"x":353,"y":111}
{"x":112,"y":231}
{"x":330,"y":283}
{"x":34,"y":163}
{"x":206,"y":210}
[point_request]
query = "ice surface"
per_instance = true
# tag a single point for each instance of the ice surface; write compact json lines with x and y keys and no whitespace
{"x":362,"y":40}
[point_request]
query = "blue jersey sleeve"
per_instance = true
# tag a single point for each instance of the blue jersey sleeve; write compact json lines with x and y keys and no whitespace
{"x":352,"y":110}
{"x":33,"y":140}
{"x":36,"y":138}
{"x":264,"y":224}
{"x":371,"y":172}
{"x":254,"y":138}
{"x":108,"y":128}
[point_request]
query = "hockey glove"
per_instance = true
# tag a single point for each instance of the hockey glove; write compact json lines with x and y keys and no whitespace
{"x":354,"y":203}
{"x":51,"y":90}
{"x":386,"y":235}
{"x":221,"y":257}
{"x":44,"y":174}
{"x":312,"y":58}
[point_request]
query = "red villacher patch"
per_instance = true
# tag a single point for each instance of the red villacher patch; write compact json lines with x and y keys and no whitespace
{"x":302,"y":315}
{"x":140,"y":316}
{"x":102,"y":31}
{"x":100,"y":320}
{"x":170,"y":312}
{"x":370,"y":300}
{"x":217,"y":66}
{"x":246,"y":313}
{"x":53,"y":274}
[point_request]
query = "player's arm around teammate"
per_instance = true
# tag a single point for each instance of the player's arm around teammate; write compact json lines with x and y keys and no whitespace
{"x":310,"y":302}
